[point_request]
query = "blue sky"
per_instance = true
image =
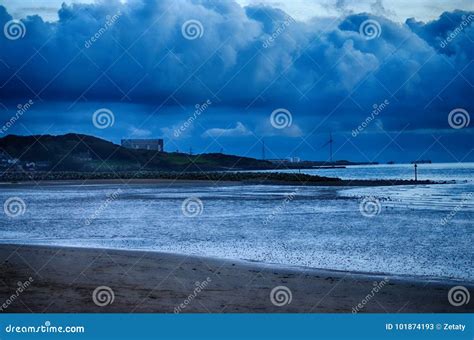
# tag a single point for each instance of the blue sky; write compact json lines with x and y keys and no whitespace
{"x":383,"y":82}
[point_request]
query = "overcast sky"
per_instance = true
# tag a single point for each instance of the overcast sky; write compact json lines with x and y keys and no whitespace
{"x":385,"y":93}
{"x":399,"y":10}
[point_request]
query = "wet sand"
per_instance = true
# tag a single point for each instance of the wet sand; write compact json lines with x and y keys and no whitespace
{"x":63,"y":279}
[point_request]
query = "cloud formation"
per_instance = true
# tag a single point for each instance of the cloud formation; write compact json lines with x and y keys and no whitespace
{"x":238,"y":130}
{"x":327,"y":72}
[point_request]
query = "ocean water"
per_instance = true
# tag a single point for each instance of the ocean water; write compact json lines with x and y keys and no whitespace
{"x":423,"y":230}
{"x":436,"y":171}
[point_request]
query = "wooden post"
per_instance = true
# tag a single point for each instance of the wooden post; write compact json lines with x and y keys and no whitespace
{"x":416,"y":172}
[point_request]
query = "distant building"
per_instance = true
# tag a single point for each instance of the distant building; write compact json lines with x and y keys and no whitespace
{"x":143,"y":144}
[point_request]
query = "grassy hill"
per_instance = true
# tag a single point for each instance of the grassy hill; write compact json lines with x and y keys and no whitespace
{"x":77,"y":152}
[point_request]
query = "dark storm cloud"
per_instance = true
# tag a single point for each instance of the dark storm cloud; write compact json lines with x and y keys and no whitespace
{"x":253,"y":57}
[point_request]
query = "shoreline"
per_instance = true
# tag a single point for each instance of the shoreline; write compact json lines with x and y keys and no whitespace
{"x":419,"y":279}
{"x":148,"y":281}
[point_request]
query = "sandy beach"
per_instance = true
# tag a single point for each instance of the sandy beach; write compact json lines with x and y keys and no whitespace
{"x":63,"y":279}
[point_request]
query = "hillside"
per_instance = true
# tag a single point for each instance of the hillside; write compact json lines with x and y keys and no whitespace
{"x":77,"y":152}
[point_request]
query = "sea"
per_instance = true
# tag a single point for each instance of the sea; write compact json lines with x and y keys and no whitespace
{"x":423,"y":231}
